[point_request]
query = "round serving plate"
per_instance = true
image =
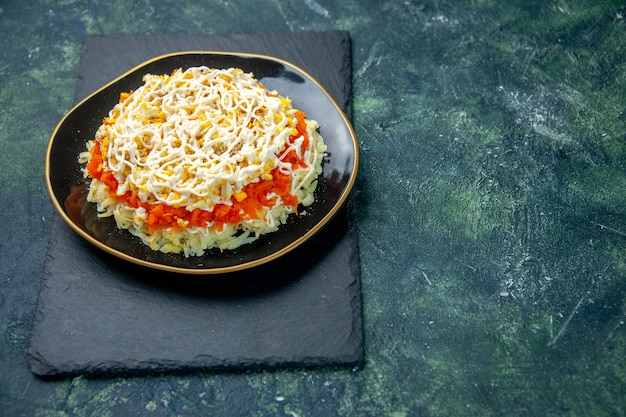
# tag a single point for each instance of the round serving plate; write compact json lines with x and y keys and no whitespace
{"x":64,"y":176}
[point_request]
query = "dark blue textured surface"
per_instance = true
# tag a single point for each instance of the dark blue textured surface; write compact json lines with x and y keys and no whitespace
{"x":490,"y":206}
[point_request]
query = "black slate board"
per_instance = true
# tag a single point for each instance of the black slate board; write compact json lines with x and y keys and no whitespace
{"x":97,"y":314}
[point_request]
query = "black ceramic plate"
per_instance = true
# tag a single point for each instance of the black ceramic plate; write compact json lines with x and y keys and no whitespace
{"x":64,"y":175}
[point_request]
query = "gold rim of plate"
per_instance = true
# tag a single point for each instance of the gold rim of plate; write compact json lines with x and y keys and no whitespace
{"x":218,"y":270}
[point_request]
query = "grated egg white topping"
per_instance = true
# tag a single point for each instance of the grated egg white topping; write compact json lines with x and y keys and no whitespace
{"x":195,"y":139}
